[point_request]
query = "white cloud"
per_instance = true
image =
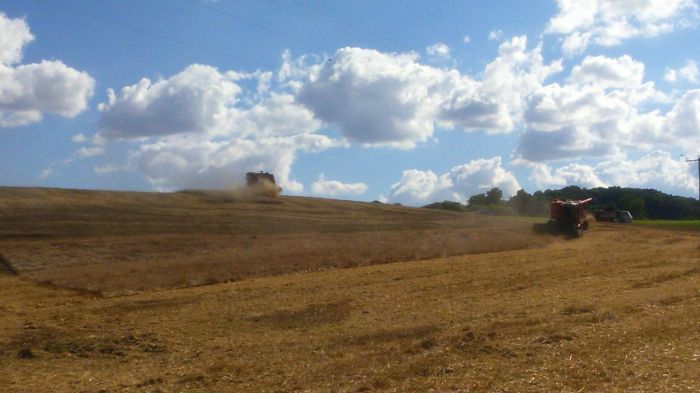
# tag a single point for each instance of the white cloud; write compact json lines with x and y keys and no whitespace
{"x":609,"y":22}
{"x":657,"y":170}
{"x":106,"y":169}
{"x":202,"y":100}
{"x":689,"y":72}
{"x":14,"y":36}
{"x":438,"y":50}
{"x":571,"y":174}
{"x":79,"y":138}
{"x":605,"y":72}
{"x":190,"y":161}
{"x":90,"y":151}
{"x":511,"y":77}
{"x":328,"y":187}
{"x":466,"y":39}
{"x":418,"y":187}
{"x":375,"y":98}
{"x":27,"y":91}
{"x":387,"y":99}
{"x":495,"y":35}
{"x":596,"y":113}
{"x":46,"y":172}
{"x":197,"y":100}
{"x":683,"y":120}
{"x":202,"y":128}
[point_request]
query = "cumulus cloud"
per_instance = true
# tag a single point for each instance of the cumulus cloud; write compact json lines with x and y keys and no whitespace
{"x":596,"y":113}
{"x":466,"y":39}
{"x":106,"y":169}
{"x":389,"y":99}
{"x":201,"y":100}
{"x":195,"y":100}
{"x":609,"y":22}
{"x":27,"y":91}
{"x":513,"y":76}
{"x":375,"y":98}
{"x":438,"y":50}
{"x":495,"y":35}
{"x":327,"y":187}
{"x":605,"y":72}
{"x":683,"y":120}
{"x":79,"y":138}
{"x":204,"y":128}
{"x":689,"y":72}
{"x":85,"y":152}
{"x":15,"y":35}
{"x":658,"y":169}
{"x":418,"y":187}
{"x":187,"y":161}
{"x":572,"y":174}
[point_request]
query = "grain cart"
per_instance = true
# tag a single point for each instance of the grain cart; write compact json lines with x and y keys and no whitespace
{"x":565,"y":217}
{"x":613,"y":215}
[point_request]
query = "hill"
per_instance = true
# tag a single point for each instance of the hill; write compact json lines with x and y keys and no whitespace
{"x":122,"y":242}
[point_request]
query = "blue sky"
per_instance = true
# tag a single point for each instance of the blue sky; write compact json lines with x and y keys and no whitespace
{"x":403,"y":101}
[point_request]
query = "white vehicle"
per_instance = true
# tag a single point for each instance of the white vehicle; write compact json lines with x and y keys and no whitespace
{"x":624,"y":216}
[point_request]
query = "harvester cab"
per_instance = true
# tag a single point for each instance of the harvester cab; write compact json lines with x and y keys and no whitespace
{"x":565,"y":217}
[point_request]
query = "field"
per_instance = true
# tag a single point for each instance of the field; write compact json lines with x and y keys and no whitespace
{"x":671,"y":224}
{"x":97,"y":298}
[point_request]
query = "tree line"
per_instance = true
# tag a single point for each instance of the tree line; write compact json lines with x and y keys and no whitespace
{"x":640,"y":202}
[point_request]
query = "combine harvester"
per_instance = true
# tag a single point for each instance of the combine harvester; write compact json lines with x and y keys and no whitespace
{"x":262,"y":184}
{"x":565,"y":218}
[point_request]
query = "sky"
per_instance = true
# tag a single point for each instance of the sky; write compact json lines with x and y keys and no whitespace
{"x":399,"y":101}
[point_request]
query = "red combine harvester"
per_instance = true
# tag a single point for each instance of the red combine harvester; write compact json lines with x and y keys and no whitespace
{"x":565,"y":217}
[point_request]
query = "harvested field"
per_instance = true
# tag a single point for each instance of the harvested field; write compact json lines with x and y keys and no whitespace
{"x":616,"y":310}
{"x":117,"y":243}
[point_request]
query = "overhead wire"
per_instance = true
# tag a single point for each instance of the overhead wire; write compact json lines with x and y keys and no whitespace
{"x":354,"y":25}
{"x":149,"y":32}
{"x":258,"y":25}
{"x":329,"y":24}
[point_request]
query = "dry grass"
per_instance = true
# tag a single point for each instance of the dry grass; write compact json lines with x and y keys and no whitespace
{"x":117,"y":243}
{"x":569,"y":317}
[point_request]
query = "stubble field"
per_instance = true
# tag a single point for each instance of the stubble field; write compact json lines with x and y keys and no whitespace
{"x":468,"y":304}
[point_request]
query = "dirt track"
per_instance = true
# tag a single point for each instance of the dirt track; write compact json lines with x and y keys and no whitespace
{"x":617,"y":310}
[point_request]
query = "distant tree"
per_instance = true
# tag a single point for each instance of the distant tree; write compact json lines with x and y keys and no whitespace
{"x":494,"y":196}
{"x":447,"y":205}
{"x":521,"y":202}
{"x":633,"y":203}
{"x":478,"y":199}
{"x":642,"y":203}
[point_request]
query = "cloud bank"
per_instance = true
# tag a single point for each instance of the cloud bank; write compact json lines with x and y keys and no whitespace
{"x":417,"y":188}
{"x":28,"y":91}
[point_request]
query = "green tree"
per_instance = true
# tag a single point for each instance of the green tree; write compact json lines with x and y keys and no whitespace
{"x":494,"y":196}
{"x":478,"y":199}
{"x":633,"y":203}
{"x":521,"y":202}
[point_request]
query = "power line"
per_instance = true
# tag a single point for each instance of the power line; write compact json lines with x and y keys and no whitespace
{"x":329,"y":24}
{"x":258,"y":25}
{"x":316,"y":10}
{"x":150,"y":32}
{"x":698,"y":161}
